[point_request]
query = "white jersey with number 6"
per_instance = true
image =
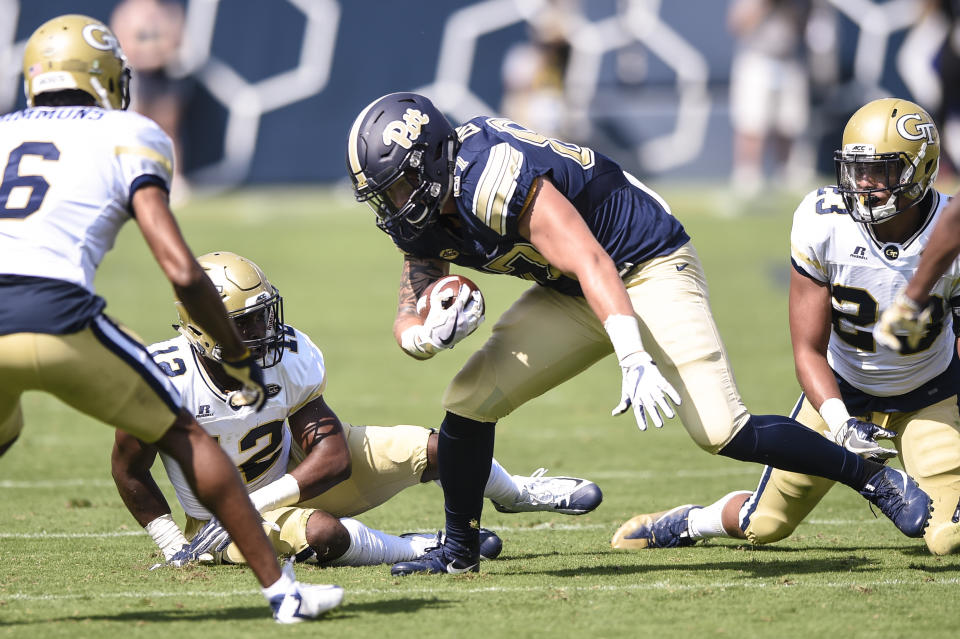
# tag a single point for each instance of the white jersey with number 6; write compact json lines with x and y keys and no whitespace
{"x":67,"y":183}
{"x":257,"y":443}
{"x":864,"y":276}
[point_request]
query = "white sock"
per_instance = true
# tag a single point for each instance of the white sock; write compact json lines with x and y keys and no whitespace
{"x":708,"y":521}
{"x":500,"y":486}
{"x":279,"y":587}
{"x":369,"y":547}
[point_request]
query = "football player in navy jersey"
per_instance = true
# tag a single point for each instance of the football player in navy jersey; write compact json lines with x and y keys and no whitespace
{"x":614,"y":271}
{"x":79,"y":166}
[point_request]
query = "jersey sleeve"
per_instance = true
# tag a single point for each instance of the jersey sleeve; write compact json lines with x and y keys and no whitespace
{"x":807,"y":245}
{"x":304,"y":369}
{"x":143,"y":155}
{"x":494,"y":186}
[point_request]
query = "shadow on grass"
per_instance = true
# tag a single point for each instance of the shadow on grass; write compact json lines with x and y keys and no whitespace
{"x":247,"y":613}
{"x":744,"y":562}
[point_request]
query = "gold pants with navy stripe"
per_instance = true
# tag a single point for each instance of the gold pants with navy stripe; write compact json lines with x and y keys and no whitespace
{"x":102,"y":371}
{"x":546,"y":338}
{"x":929,"y":445}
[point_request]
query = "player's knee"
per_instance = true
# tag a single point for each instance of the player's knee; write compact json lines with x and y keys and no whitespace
{"x":327,"y":536}
{"x":432,"y":471}
{"x":767,"y":530}
{"x":943,"y":538}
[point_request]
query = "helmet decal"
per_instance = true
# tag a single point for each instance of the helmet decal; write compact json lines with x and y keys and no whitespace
{"x":405,"y":132}
{"x":926,"y":130}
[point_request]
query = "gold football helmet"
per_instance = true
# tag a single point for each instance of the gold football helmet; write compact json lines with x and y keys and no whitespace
{"x":76,"y":52}
{"x":889,"y":159}
{"x":253,"y":303}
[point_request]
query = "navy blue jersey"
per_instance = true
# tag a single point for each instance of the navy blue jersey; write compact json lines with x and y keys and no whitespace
{"x":497,"y":165}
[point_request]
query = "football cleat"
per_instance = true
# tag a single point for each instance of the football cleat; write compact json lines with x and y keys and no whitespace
{"x":667,"y":529}
{"x":303,"y":602}
{"x":490,"y":544}
{"x":567,"y":495}
{"x":445,"y":558}
{"x":899,"y":497}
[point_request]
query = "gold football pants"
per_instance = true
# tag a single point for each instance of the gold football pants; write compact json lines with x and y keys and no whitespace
{"x":545,"y":338}
{"x":929,"y":445}
{"x":102,"y":371}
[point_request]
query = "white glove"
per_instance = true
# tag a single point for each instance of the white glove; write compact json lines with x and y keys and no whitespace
{"x":444,"y":327}
{"x":861,"y":438}
{"x":646,"y":389}
{"x":213,"y":537}
{"x":857,"y":436}
{"x":905,"y":318}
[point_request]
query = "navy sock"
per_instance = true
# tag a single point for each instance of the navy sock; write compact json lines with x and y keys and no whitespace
{"x":464,"y":454}
{"x":787,"y":444}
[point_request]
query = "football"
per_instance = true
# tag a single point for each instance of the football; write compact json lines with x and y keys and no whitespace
{"x":449,"y":287}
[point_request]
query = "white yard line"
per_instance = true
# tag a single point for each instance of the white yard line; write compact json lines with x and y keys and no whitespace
{"x":400,"y":591}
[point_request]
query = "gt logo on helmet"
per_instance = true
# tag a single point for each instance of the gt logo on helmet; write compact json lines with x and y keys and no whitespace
{"x":98,"y":37}
{"x":924,"y":129}
{"x":404,"y":133}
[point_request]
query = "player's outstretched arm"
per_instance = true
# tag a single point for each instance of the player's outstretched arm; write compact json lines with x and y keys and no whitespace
{"x":810,"y":326}
{"x":194,"y":288}
{"x":559,"y":233}
{"x":130,"y":463}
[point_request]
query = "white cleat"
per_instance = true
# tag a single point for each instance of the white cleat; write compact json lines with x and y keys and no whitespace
{"x":566,"y":495}
{"x":303,"y":602}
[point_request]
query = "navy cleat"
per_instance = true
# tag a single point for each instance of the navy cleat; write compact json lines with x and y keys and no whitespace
{"x":490,"y":544}
{"x":667,"y":529}
{"x":566,"y":495}
{"x":899,"y":497}
{"x":445,"y":558}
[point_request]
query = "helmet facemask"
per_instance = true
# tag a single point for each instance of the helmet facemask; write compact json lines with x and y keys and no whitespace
{"x":261,"y":329}
{"x":877,"y":186}
{"x":407,"y":222}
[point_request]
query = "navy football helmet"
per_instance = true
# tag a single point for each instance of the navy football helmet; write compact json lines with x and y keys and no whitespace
{"x":402,"y":136}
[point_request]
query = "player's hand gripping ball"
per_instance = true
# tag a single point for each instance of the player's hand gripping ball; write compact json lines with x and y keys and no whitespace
{"x":445,"y":290}
{"x":451,"y":308}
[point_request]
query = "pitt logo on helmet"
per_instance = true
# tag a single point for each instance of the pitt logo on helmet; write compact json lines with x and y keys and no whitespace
{"x":406,"y":132}
{"x":923,"y":129}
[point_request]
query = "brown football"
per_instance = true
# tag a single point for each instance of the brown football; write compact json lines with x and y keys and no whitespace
{"x":449,"y":287}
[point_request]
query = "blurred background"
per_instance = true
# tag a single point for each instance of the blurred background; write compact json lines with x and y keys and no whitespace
{"x":750,"y":93}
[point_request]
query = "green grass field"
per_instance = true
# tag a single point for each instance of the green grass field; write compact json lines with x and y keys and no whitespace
{"x":73,"y":563}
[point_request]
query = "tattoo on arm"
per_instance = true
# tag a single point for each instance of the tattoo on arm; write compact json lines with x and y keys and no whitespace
{"x":417,"y":275}
{"x":316,"y":431}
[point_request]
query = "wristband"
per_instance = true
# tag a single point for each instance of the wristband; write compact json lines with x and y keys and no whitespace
{"x":282,"y":492}
{"x":624,"y":332}
{"x":411,"y":340}
{"x":166,"y":534}
{"x":834,"y":413}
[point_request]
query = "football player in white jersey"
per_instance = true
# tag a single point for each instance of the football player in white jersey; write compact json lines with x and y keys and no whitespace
{"x":307,"y":472}
{"x":853,"y":247}
{"x":77,"y":167}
